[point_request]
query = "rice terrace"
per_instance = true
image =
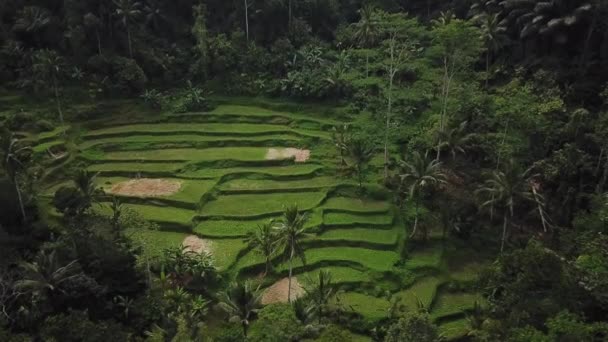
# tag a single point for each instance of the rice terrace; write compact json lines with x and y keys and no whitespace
{"x":208,"y":179}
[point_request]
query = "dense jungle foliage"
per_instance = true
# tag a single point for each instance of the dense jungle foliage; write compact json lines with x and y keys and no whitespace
{"x":483,"y":123}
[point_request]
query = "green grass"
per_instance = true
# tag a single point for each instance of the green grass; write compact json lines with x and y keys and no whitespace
{"x":258,"y":111}
{"x":153,"y":242}
{"x":372,"y":259}
{"x":46,"y":145}
{"x":45,"y":136}
{"x":423,"y":290}
{"x":251,"y":205}
{"x":338,"y":218}
{"x":191,"y":191}
{"x":253,"y":184}
{"x":425,"y":257}
{"x":161,"y":215}
{"x":338,"y":275}
{"x":289,"y":170}
{"x":191,"y":154}
{"x":370,"y":307}
{"x":225,"y":251}
{"x":448,"y":304}
{"x":356,"y":204}
{"x":202,"y":129}
{"x":227,"y":228}
{"x":454,"y":329}
{"x":385,"y":237}
{"x":135,"y":167}
{"x":143,"y":139}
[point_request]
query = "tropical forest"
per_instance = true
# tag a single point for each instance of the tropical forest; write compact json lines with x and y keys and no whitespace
{"x":303,"y":170}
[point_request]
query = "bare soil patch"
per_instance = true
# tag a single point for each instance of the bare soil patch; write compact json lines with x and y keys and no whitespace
{"x":286,"y":153}
{"x":277,"y":293}
{"x":195,"y":244}
{"x":146,"y":187}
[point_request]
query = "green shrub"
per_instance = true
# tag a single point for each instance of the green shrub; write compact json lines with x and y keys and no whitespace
{"x":153,"y":98}
{"x":276,"y":322}
{"x":43,"y":126}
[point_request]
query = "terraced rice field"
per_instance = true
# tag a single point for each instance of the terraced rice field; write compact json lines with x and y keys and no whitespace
{"x":228,"y":187}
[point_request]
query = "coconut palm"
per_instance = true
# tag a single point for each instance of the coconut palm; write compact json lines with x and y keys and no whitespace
{"x":85,"y":184}
{"x":12,"y":162}
{"x":452,"y":140}
{"x":291,"y":231}
{"x":46,"y":275}
{"x":241,"y":301}
{"x":48,"y":66}
{"x":127,"y":11}
{"x":420,"y":174}
{"x":264,"y":240}
{"x":92,"y":22}
{"x":367,"y":31}
{"x":340,"y":135}
{"x":493,"y":34}
{"x":505,"y":189}
{"x":32,"y":20}
{"x":361,"y":154}
{"x":320,"y":293}
{"x":552,"y":18}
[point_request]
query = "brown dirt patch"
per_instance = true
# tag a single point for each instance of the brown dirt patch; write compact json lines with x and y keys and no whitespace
{"x":299,"y":155}
{"x":277,"y":293}
{"x":146,"y":187}
{"x":195,"y":244}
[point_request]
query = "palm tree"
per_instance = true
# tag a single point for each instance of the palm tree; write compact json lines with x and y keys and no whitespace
{"x":452,"y":140}
{"x":320,"y":293}
{"x":493,"y":34}
{"x":505,"y":189}
{"x":264,"y":240}
{"x":12,"y":162}
{"x":551,"y":18}
{"x":45,"y":275}
{"x":85,"y":183}
{"x":340,"y":135}
{"x":367,"y":31}
{"x":361,"y":154}
{"x":92,"y":22}
{"x":420,"y":174}
{"x":48,"y":65}
{"x":127,"y":11}
{"x":291,"y":231}
{"x":154,"y":14}
{"x":32,"y":20}
{"x":241,"y":302}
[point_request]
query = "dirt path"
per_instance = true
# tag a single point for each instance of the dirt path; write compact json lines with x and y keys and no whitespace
{"x":197,"y":245}
{"x":285,"y":153}
{"x":277,"y":293}
{"x":146,"y":187}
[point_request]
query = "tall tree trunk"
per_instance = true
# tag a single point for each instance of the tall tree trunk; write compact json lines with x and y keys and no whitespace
{"x":245,"y":326}
{"x":289,"y":278}
{"x":267,"y":266}
{"x":540,"y":208}
{"x":386,"y":129}
{"x":19,"y":197}
{"x":98,"y":41}
{"x":415,"y":221}
{"x":289,"y":19}
{"x":600,"y":186}
{"x":58,"y":102}
{"x":246,"y":20}
{"x":367,"y":63}
{"x":487,"y":67}
{"x":129,"y":41}
{"x":504,"y":232}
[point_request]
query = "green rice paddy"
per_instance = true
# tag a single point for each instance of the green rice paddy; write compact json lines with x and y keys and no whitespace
{"x":228,"y":188}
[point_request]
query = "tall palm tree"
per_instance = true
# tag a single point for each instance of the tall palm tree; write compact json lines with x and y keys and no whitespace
{"x":505,"y":189}
{"x":452,"y":140}
{"x":92,"y":22}
{"x":420,"y":174}
{"x":48,"y":65}
{"x":367,"y":30}
{"x":127,"y":11}
{"x":264,"y":240}
{"x":12,"y":162}
{"x":45,"y":275}
{"x":340,"y":135}
{"x":32,"y":20}
{"x":241,"y":301}
{"x":320,"y":293}
{"x":291,"y":231}
{"x":85,"y":183}
{"x":551,"y":18}
{"x":361,"y":154}
{"x":493,"y":34}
